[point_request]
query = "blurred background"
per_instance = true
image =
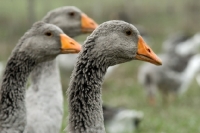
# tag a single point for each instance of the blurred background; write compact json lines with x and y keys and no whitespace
{"x":156,"y":20}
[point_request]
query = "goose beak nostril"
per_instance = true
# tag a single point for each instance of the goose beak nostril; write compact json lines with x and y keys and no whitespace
{"x":92,"y":23}
{"x":149,"y":50}
{"x":71,"y":43}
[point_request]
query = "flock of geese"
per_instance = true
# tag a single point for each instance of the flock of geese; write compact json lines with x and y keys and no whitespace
{"x":39,"y":108}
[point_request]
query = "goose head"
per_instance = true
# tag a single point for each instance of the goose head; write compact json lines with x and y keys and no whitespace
{"x":119,"y":42}
{"x":71,"y":20}
{"x":45,"y":41}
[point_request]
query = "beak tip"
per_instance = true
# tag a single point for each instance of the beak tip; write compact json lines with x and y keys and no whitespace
{"x":159,"y":62}
{"x":79,"y":49}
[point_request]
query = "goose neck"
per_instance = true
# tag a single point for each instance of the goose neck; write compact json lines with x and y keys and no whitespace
{"x":85,"y":103}
{"x":12,"y":92}
{"x":46,"y":74}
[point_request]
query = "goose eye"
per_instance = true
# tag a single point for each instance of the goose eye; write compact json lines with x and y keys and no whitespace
{"x":128,"y":33}
{"x":48,"y":33}
{"x":71,"y":14}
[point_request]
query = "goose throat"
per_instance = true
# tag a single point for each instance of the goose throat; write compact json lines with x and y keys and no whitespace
{"x":84,"y":93}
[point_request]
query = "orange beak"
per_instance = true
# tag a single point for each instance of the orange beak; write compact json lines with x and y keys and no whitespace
{"x":145,"y":53}
{"x":87,"y":24}
{"x":68,"y":45}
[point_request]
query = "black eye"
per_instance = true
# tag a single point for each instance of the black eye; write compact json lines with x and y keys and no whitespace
{"x":48,"y":33}
{"x":71,"y":14}
{"x":128,"y":33}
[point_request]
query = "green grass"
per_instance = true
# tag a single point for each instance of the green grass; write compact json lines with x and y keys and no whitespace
{"x":159,"y":18}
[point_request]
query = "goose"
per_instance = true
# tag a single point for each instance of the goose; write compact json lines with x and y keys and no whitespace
{"x":172,"y":83}
{"x":120,"y":120}
{"x":43,"y":42}
{"x":169,"y":82}
{"x":189,"y":73}
{"x":113,"y":42}
{"x":173,"y":40}
{"x":175,"y":61}
{"x":44,"y":98}
{"x":191,"y":45}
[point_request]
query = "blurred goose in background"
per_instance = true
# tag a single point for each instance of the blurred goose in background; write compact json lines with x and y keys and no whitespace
{"x":171,"y":83}
{"x":173,"y":40}
{"x":194,"y":47}
{"x":191,"y":45}
{"x":174,"y":60}
{"x":175,"y":63}
{"x":190,"y":72}
{"x":112,"y":43}
{"x":120,"y":120}
{"x":25,"y":56}
{"x":44,"y":98}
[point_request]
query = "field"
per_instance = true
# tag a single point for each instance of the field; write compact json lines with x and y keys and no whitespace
{"x":159,"y":19}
